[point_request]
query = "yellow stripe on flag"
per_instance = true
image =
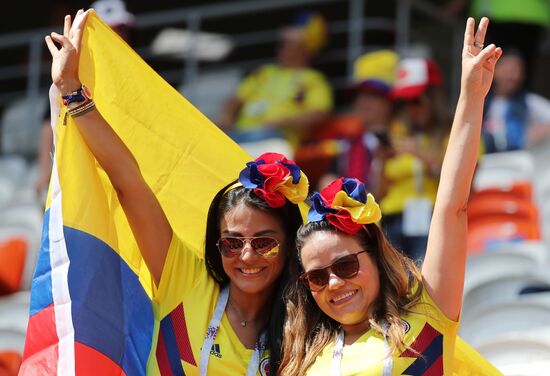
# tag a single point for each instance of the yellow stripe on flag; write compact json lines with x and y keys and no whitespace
{"x":183,"y":156}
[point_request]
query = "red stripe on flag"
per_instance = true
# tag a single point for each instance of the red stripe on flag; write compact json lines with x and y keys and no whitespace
{"x":89,"y":361}
{"x":162,"y":357}
{"x":422,"y":341}
{"x":182,"y":337}
{"x":42,"y":363}
{"x":436,"y":369}
{"x":41,"y":344}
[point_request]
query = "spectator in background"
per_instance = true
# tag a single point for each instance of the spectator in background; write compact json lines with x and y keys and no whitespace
{"x":514,"y":118}
{"x":519,"y":24}
{"x":374,"y":77}
{"x":284,"y":99}
{"x":114,"y":14}
{"x":348,"y":144}
{"x":410,"y":168}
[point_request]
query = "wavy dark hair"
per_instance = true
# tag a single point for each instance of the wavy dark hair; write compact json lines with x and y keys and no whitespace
{"x":290,"y":218}
{"x":308,"y":330}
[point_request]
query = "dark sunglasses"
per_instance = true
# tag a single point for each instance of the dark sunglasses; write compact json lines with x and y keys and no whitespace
{"x":345,"y":267}
{"x":264,"y":246}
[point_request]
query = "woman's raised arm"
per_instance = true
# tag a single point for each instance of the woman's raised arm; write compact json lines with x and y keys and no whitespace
{"x":444,"y":265}
{"x":149,"y":224}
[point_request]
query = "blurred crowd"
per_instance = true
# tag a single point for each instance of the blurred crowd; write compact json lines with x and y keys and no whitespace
{"x":393,"y":127}
{"x":393,"y":130}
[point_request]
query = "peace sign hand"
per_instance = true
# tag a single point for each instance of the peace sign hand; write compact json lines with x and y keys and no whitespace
{"x":65,"y":59}
{"x":478,"y":63}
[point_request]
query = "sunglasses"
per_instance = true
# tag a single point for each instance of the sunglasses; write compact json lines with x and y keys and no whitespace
{"x":262,"y":245}
{"x":345,"y":267}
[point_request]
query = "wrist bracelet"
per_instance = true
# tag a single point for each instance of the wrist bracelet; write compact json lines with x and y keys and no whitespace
{"x":80,"y":110}
{"x":80,"y":95}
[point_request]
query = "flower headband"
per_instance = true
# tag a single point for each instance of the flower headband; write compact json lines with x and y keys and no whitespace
{"x":275,"y":179}
{"x":345,"y":204}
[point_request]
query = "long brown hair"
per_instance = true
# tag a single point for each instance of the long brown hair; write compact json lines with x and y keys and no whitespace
{"x":290,"y":218}
{"x":308,"y":330}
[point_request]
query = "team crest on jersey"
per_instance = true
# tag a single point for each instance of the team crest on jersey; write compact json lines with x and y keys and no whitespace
{"x":264,"y":367}
{"x":407,"y":326}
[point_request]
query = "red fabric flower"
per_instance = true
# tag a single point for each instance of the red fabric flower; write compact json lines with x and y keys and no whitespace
{"x":344,"y":221}
{"x":330,"y":191}
{"x":274,"y":174}
{"x":273,"y":158}
{"x":275,"y":179}
{"x":274,"y":199}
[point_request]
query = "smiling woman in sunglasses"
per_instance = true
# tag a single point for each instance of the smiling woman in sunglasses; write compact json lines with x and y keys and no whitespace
{"x":356,"y":305}
{"x":221,"y":315}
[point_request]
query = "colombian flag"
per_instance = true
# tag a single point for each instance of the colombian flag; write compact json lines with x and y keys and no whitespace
{"x":91,"y":311}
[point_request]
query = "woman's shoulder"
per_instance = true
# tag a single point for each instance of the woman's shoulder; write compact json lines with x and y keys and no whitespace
{"x":425,"y":311}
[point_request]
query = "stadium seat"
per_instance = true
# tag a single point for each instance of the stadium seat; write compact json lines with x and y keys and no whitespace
{"x":14,"y":312}
{"x":32,"y":238}
{"x":486,"y":233}
{"x":12,"y":340}
{"x":504,"y":169}
{"x":7,"y":190}
{"x":12,"y":262}
{"x":502,"y":319}
{"x":517,"y":355}
{"x":521,"y":190}
{"x":504,"y":289}
{"x":502,"y":209}
{"x":13,"y":166}
{"x":519,"y":259}
{"x":21,"y":127}
{"x":10,"y":362}
{"x":519,"y":161}
{"x":214,"y":89}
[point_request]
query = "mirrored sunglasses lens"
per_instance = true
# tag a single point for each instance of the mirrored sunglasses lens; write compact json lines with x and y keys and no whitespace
{"x":347,"y":267}
{"x":230,"y":247}
{"x":267,"y":247}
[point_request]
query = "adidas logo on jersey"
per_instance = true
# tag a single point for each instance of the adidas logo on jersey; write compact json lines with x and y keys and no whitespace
{"x":215,"y":350}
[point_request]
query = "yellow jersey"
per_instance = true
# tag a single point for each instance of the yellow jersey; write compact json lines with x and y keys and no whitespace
{"x":274,"y":92}
{"x":184,"y":303}
{"x":408,"y":178}
{"x":429,"y":333}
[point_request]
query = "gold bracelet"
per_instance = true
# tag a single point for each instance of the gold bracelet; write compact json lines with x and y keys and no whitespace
{"x":74,"y":112}
{"x":80,"y":110}
{"x":84,"y":111}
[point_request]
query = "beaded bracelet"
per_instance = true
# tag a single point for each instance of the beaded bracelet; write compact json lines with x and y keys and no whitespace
{"x":80,"y":95}
{"x":79,"y":110}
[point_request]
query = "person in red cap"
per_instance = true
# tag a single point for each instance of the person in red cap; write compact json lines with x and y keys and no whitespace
{"x":409,"y":173}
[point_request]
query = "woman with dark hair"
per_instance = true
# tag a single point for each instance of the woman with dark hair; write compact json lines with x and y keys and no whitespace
{"x":223,"y":314}
{"x":355,"y":304}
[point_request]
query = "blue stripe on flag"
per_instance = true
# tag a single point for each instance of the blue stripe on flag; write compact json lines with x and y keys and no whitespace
{"x":111,"y":311}
{"x":41,"y":292}
{"x":171,"y":346}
